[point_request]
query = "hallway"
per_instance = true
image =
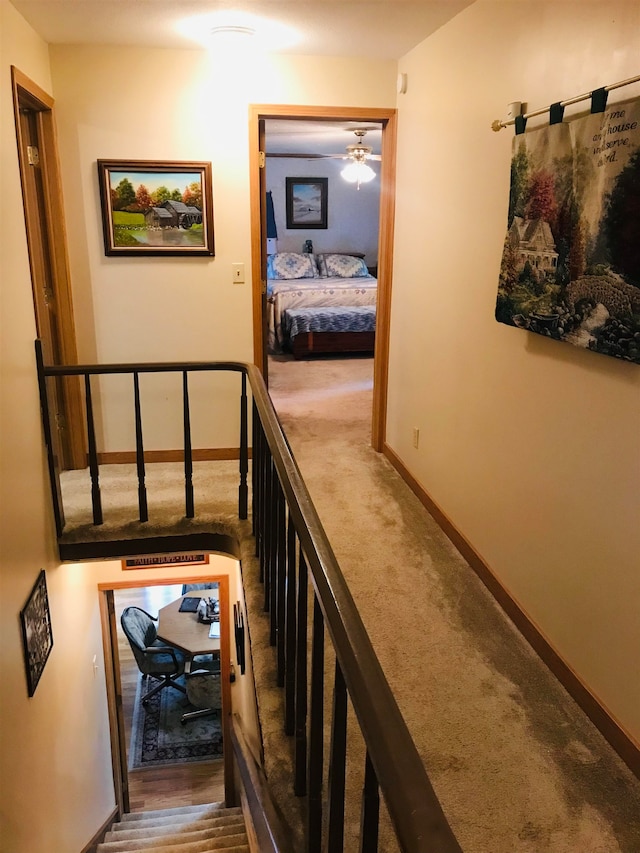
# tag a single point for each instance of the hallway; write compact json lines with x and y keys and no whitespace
{"x":516,"y":764}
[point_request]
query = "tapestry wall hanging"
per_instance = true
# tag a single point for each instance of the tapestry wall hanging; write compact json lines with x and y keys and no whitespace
{"x":571,"y":259}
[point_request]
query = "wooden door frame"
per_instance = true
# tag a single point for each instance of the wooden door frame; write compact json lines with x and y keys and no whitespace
{"x":388,"y":118}
{"x":112,"y":675}
{"x":27,"y":94}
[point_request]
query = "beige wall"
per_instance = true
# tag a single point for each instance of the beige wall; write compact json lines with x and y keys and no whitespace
{"x":530,"y":446}
{"x":54,"y":747}
{"x":121,"y":103}
{"x":55,"y":758}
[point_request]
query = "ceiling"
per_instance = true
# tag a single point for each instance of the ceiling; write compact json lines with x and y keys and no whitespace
{"x":296,"y":136}
{"x":382,"y":29}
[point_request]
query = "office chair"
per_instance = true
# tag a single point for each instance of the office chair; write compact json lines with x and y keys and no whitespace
{"x":189,"y":587}
{"x":153,"y":657}
{"x":203,"y":690}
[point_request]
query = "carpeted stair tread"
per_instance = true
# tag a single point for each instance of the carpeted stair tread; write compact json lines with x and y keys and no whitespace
{"x":173,"y":844}
{"x":143,"y":828}
{"x":144,"y":821}
{"x":196,"y":831}
{"x":177,"y":810}
{"x":185,"y":829}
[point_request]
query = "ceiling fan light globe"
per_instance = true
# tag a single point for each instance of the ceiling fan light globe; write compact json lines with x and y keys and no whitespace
{"x":358,"y":173}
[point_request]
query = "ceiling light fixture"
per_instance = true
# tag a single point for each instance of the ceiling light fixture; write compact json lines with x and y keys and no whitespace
{"x":358,"y":170}
{"x":358,"y":173}
{"x":229,"y":31}
{"x":236,"y":29}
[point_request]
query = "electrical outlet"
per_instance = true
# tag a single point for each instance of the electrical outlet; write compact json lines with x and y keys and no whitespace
{"x":237,"y":273}
{"x":416,"y":437}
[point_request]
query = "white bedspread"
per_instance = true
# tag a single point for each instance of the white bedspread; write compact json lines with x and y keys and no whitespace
{"x":313,"y":292}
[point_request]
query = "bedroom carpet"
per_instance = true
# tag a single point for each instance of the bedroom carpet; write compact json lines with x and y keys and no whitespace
{"x":516,"y":764}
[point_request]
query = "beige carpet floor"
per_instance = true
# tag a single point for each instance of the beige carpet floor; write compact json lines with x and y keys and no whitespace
{"x":517,"y":766}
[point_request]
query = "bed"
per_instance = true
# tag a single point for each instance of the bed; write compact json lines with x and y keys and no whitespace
{"x":313,"y":302}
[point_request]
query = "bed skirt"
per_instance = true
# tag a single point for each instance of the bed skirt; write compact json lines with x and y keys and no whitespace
{"x":335,"y":329}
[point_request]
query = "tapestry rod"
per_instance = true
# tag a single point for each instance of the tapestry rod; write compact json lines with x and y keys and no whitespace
{"x":498,"y":125}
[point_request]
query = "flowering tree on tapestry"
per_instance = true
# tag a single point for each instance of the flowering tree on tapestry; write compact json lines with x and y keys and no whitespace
{"x":571,"y":259}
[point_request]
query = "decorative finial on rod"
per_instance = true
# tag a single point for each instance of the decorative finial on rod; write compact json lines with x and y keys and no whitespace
{"x":497,"y":125}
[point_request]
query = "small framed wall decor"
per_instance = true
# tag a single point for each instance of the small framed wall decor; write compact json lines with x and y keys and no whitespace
{"x":37,"y":636}
{"x":156,"y":207}
{"x":306,"y":200}
{"x":153,"y":561}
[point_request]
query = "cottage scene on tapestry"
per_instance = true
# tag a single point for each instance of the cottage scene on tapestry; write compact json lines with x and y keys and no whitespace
{"x":571,"y":259}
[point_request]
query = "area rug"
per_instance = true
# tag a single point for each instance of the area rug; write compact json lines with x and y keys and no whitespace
{"x":159,"y":738}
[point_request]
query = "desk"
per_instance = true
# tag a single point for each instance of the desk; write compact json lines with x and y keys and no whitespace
{"x":183,"y":629}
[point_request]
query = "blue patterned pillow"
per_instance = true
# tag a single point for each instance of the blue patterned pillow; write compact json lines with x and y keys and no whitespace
{"x":342,"y":266}
{"x":286,"y":265}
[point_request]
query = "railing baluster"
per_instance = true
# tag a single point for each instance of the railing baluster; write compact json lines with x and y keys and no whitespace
{"x":316,"y":734}
{"x":268,"y":533}
{"x":281,"y":585}
{"x":54,"y":474}
{"x":290,"y":632}
{"x":96,"y":501}
{"x":244,"y":452}
{"x":255,"y":467}
{"x":300,"y":780}
{"x":258,"y":499}
{"x":337,"y":763}
{"x":188,"y":458}
{"x":370,"y":815}
{"x":273,"y":561}
{"x":260,"y":513}
{"x":143,"y":511}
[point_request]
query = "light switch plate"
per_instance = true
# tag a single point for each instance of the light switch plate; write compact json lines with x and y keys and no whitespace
{"x":237,"y":273}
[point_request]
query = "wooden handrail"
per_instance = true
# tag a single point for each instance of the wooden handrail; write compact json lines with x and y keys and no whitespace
{"x":144,"y":367}
{"x":417,"y":817}
{"x":271,"y":835}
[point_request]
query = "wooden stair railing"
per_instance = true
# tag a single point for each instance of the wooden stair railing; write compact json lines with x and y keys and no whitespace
{"x":296,"y":560}
{"x":270,"y":833}
{"x":134,"y":370}
{"x":295,"y":556}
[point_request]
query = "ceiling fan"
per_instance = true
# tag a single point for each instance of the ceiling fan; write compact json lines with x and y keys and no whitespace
{"x":357,"y":171}
{"x":357,"y":151}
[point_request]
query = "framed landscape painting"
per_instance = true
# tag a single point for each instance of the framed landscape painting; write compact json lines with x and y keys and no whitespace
{"x":156,"y":208}
{"x":37,"y":636}
{"x":306,"y":200}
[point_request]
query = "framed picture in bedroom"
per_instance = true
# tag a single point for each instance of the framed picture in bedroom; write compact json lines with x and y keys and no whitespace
{"x":306,"y":200}
{"x":37,"y":636}
{"x":156,"y":208}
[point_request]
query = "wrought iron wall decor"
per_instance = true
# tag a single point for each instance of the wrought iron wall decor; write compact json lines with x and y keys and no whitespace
{"x":37,"y":636}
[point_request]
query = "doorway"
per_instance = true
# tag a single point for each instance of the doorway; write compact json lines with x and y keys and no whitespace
{"x":50,"y":280}
{"x":387,"y":120}
{"x":158,"y":761}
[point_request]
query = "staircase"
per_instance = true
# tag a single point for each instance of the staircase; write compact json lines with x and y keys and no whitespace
{"x":189,"y":829}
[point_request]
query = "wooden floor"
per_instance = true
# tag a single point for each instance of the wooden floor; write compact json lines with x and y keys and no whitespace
{"x":160,"y":787}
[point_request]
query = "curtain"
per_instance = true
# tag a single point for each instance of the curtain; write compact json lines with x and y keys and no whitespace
{"x":272,"y":231}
